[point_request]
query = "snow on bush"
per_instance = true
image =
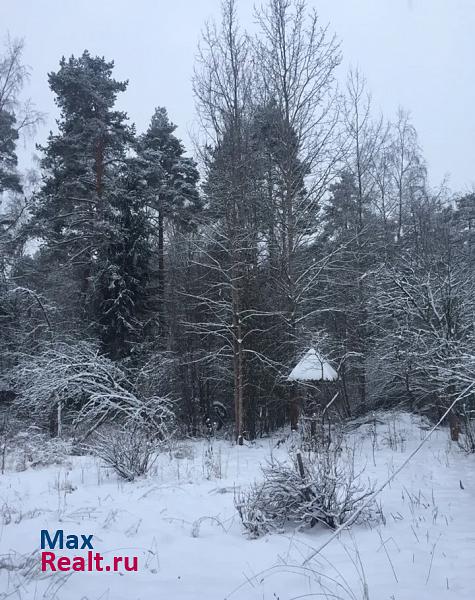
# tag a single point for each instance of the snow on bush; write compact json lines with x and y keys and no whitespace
{"x":212,"y":465}
{"x":319,"y":488}
{"x":130,"y":450}
{"x":76,"y":379}
{"x":467,"y":440}
{"x":32,"y":448}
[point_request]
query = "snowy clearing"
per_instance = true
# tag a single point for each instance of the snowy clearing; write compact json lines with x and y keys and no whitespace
{"x":182,"y":524}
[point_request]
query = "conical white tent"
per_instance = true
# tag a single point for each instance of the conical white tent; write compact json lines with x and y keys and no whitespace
{"x":313,"y":367}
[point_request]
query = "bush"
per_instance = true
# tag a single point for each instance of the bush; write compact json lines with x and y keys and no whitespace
{"x":32,"y":448}
{"x":212,"y":465}
{"x":76,"y":381}
{"x":130,"y":450}
{"x":467,"y":440}
{"x":321,"y":488}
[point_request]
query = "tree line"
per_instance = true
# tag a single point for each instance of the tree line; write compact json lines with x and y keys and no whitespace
{"x":305,"y":219}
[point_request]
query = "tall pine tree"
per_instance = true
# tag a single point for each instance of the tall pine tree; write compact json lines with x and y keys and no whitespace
{"x":172,"y":194}
{"x":90,"y":211}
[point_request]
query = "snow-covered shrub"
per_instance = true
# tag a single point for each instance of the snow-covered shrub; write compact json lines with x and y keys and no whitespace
{"x":394,"y":438}
{"x":130,"y":450}
{"x":212,"y":464}
{"x":320,"y":488}
{"x":77,"y":381}
{"x":467,"y":439}
{"x":32,"y":448}
{"x":181,"y":450}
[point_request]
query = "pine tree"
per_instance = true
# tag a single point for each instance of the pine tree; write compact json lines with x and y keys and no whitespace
{"x":90,"y":211}
{"x":347,"y":233}
{"x":79,"y":160}
{"x":172,"y":193}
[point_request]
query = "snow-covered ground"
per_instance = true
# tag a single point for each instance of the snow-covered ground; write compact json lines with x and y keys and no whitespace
{"x":182,"y":524}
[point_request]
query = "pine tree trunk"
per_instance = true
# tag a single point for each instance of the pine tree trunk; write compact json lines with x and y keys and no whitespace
{"x":99,"y":166}
{"x":161,"y":274}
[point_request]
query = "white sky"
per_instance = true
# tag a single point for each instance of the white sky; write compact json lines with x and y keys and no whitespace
{"x":416,"y":53}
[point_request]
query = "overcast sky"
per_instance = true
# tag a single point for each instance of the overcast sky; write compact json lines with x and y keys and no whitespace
{"x":419,"y":54}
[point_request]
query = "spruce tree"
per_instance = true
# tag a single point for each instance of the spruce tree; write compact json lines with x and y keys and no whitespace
{"x":123,"y":264}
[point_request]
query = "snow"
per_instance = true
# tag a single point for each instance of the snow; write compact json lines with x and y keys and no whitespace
{"x":182,"y":524}
{"x":313,"y":367}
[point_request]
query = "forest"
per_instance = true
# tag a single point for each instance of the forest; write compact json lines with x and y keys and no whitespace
{"x":244,"y":364}
{"x":158,"y":287}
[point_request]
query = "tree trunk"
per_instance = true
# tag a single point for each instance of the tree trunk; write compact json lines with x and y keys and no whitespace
{"x":294,"y":408}
{"x":455,"y":428}
{"x":59,"y":432}
{"x":99,"y":166}
{"x":237,"y":368}
{"x":161,"y":274}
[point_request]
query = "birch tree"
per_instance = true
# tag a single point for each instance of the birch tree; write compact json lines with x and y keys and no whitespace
{"x":223,"y":90}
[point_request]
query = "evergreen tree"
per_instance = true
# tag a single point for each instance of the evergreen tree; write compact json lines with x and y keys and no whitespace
{"x":172,"y":193}
{"x":90,"y":210}
{"x":350,"y":233}
{"x":9,"y":177}
{"x":79,"y":161}
{"x":123,"y":264}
